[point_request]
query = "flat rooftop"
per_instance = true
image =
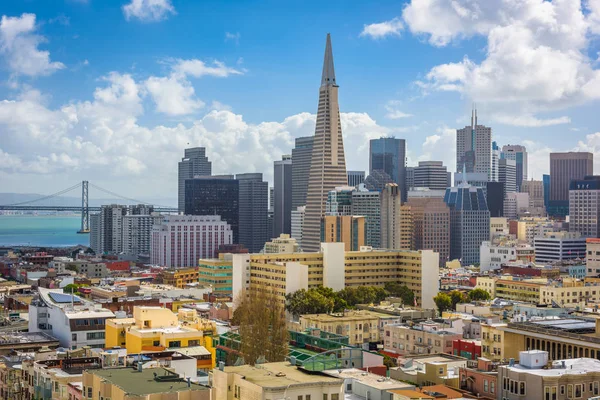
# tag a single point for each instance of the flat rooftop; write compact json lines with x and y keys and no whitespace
{"x":369,"y":379}
{"x":25,"y":338}
{"x":143,"y":383}
{"x":574,"y":366}
{"x":265,"y":375}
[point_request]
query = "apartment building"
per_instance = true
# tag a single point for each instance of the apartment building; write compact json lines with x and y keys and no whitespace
{"x":419,"y":339}
{"x":360,"y":326}
{"x":492,"y":341}
{"x":179,"y":278}
{"x":216,"y":273}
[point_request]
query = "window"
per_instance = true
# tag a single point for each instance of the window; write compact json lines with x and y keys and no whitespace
{"x":522,"y":388}
{"x":74,"y":337}
{"x":89,"y":392}
{"x":578,"y":390}
{"x":596,"y":392}
{"x":300,"y":397}
{"x":570,"y":391}
{"x":325,"y":396}
{"x":492,"y":387}
{"x":95,"y":335}
{"x":441,"y":371}
{"x":562,"y":390}
{"x":547,"y":393}
{"x":307,"y":397}
{"x":349,"y":387}
{"x":485,"y":385}
{"x":156,"y":343}
{"x":192,"y":343}
{"x":335,"y":396}
{"x":175,"y":343}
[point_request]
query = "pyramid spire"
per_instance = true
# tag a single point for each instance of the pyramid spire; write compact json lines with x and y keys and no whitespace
{"x":328,"y":77}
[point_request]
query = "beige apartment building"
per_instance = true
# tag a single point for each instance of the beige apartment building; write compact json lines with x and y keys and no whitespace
{"x":592,"y":256}
{"x":348,"y":229}
{"x":282,"y":244}
{"x":420,"y":339}
{"x":360,"y":326}
{"x":335,"y":268}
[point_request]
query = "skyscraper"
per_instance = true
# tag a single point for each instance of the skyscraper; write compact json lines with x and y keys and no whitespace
{"x":137,"y":232}
{"x":396,"y":220}
{"x":469,"y":222}
{"x":328,"y":165}
{"x":253,"y":207}
{"x":282,"y":196}
{"x":584,"y":206}
{"x":473,"y":148}
{"x":214,"y":195}
{"x":517,"y":153}
{"x":355,"y":178}
{"x":111,"y":228}
{"x":368,"y":204}
{"x":301,"y":157}
{"x":193,"y":163}
{"x":564,"y":168}
{"x":298,"y":224}
{"x":496,"y":155}
{"x":535,"y":189}
{"x":431,"y":174}
{"x":431,"y":225}
{"x":339,"y":201}
{"x":507,"y":174}
{"x":389,"y":154}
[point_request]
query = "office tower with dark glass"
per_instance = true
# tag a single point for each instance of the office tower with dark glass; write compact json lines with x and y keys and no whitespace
{"x":584,"y":206}
{"x":214,"y":195}
{"x":253,"y":208}
{"x":194,"y":163}
{"x":355,"y":178}
{"x":301,"y":156}
{"x":282,"y":196}
{"x":367,"y":204}
{"x":388,"y":154}
{"x":328,"y":165}
{"x":517,"y":153}
{"x":473,"y":148}
{"x":431,"y":174}
{"x":469,"y":222}
{"x":564,"y":168}
{"x":507,"y":174}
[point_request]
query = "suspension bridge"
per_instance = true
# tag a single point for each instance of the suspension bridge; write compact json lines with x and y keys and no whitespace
{"x":84,"y":209}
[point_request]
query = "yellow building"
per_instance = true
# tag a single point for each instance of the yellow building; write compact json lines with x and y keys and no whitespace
{"x":216,"y":273}
{"x":571,"y":293}
{"x":348,"y":229}
{"x":360,"y":326}
{"x":334,"y":268}
{"x":283,"y":244}
{"x":406,"y":227}
{"x":179,"y":277}
{"x":492,"y":341}
{"x":147,"y":384}
{"x":157,"y":329}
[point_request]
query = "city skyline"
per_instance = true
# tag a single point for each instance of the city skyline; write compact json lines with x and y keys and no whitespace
{"x":84,"y":97}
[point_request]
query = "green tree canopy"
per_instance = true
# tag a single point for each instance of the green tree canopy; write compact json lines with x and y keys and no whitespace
{"x":401,"y":291}
{"x":478,"y":295}
{"x":311,"y":301}
{"x":457,"y":297}
{"x":443,"y":302}
{"x":71,"y":288}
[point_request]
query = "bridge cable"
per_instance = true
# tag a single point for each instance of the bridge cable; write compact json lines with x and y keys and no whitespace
{"x":125,"y":198}
{"x":44,"y":197}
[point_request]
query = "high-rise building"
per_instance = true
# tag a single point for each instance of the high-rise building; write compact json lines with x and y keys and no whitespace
{"x":137,"y":233}
{"x":298,"y":224}
{"x":355,"y":178}
{"x":368,"y":204}
{"x":377,"y":180}
{"x":271,"y":213}
{"x":559,"y":246}
{"x":389,"y":154}
{"x":517,"y":153}
{"x":431,"y":174}
{"x":473,"y":148}
{"x":253,"y":208}
{"x":495,"y":198}
{"x":347,"y":229}
{"x":282,"y":196}
{"x":496,"y":155}
{"x":214,"y":195}
{"x":111,"y":228}
{"x":181,"y":240}
{"x":410,"y":178}
{"x":95,"y":226}
{"x":301,"y":157}
{"x":564,"y":168}
{"x":328,"y":165}
{"x":507,"y":174}
{"x":431,"y":225}
{"x":469,"y":222}
{"x":535,"y":189}
{"x":194,"y":163}
{"x":396,"y":220}
{"x":584,"y":206}
{"x":339,"y":201}
{"x":516,"y":204}
{"x":546,"y":182}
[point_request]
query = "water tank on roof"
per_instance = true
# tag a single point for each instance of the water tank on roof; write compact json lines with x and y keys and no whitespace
{"x":533,"y":358}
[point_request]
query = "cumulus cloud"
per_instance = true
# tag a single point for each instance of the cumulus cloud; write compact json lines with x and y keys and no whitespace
{"x":382,"y":29}
{"x":440,"y":146}
{"x":529,"y":120}
{"x":149,"y":10}
{"x":19,"y":47}
{"x":392,"y":111}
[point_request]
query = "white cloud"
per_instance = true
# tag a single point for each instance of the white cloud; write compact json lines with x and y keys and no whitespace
{"x":591,"y":144}
{"x":440,"y":146}
{"x":19,"y":47}
{"x":149,"y":10}
{"x":174,"y":94}
{"x":382,"y":29}
{"x":538,"y":159}
{"x":529,"y":120}
{"x":235,"y":37}
{"x":393,"y":112}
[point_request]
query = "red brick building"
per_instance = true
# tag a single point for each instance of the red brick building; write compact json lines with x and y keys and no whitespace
{"x":469,"y":349}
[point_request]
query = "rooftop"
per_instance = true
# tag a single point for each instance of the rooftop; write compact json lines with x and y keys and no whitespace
{"x":369,"y":379}
{"x":25,"y":337}
{"x":575,"y":366}
{"x":138,"y":383}
{"x":279,"y":374}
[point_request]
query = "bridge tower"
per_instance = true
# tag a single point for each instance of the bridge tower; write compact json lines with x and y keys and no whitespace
{"x":85,"y":210}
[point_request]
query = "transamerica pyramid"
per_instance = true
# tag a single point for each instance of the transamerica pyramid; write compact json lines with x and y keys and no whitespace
{"x":328,"y":165}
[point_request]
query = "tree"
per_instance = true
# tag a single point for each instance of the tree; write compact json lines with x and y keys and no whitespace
{"x":262,"y":327}
{"x":457,"y":297}
{"x":311,"y":301}
{"x":71,"y":288}
{"x":401,"y":291}
{"x":443,"y":302}
{"x":478,"y":295}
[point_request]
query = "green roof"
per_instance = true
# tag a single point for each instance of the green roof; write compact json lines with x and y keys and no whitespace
{"x":135,"y":382}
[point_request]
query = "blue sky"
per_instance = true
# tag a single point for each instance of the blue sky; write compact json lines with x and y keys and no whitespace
{"x":112,"y":91}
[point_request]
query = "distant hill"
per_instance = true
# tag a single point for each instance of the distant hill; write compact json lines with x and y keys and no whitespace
{"x":70,"y":201}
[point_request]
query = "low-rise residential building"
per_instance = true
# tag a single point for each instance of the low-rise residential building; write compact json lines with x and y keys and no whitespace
{"x":364,"y":384}
{"x":481,"y":381}
{"x":573,"y":378}
{"x":283,"y":244}
{"x":592,"y":256}
{"x":145,"y":384}
{"x":492,"y":341}
{"x":432,"y":369}
{"x":424,"y":338}
{"x":179,"y":277}
{"x":274,"y":381}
